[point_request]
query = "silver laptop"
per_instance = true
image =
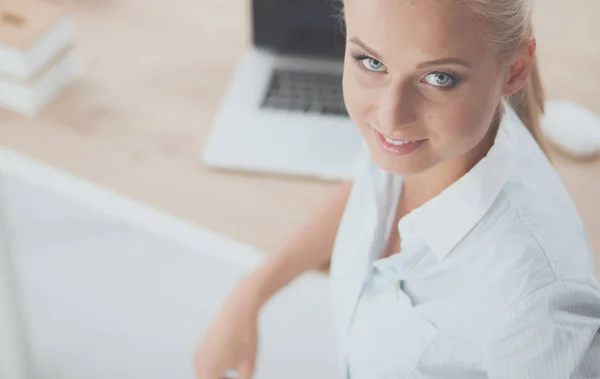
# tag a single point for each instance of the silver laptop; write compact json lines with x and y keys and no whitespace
{"x":284,"y":111}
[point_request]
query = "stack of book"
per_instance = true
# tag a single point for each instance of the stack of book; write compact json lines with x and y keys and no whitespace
{"x":37,"y":59}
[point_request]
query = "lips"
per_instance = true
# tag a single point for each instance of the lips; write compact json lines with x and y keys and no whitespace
{"x":397,"y":146}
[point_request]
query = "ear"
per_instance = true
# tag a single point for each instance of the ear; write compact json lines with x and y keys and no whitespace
{"x":520,"y":69}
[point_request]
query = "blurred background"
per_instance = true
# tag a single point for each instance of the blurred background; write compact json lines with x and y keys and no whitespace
{"x":146,"y":145}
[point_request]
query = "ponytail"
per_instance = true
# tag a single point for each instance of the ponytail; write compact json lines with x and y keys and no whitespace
{"x":528,"y":103}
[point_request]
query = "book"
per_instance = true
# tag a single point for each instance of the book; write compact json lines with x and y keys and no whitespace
{"x":29,"y":97}
{"x":37,"y":57}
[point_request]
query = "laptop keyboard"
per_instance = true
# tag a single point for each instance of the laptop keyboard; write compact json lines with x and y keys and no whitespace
{"x":307,"y":92}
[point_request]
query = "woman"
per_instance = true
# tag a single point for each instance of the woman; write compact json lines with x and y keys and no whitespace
{"x":457,"y":252}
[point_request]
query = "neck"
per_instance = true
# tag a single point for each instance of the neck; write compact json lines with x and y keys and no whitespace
{"x":422,"y":187}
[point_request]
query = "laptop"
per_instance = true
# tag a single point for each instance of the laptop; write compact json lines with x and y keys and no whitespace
{"x":284,"y":111}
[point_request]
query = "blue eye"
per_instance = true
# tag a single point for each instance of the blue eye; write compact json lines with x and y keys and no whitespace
{"x":440,"y":79}
{"x":372,"y":64}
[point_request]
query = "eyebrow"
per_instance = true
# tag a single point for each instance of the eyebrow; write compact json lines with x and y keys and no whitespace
{"x":439,"y":62}
{"x":436,"y":62}
{"x":358,"y":42}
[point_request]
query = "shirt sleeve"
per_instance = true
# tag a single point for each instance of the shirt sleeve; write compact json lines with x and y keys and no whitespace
{"x":551,"y":334}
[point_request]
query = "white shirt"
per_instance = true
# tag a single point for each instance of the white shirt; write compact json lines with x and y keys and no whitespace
{"x":495,"y":277}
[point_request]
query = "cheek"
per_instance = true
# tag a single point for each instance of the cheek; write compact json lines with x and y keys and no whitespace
{"x":360,"y":103}
{"x":462,"y":124}
{"x":466,"y":128}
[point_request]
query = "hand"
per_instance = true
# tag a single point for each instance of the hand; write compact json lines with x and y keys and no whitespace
{"x":232,"y":341}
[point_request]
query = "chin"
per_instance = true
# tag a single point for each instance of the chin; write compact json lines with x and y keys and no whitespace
{"x":402,"y":165}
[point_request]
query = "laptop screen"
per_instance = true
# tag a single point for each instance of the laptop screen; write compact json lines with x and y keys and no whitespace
{"x":298,"y":27}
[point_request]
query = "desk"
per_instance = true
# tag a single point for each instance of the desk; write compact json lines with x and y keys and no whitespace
{"x":136,"y":123}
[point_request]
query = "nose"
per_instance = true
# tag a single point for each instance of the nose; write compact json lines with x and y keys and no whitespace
{"x":397,"y":108}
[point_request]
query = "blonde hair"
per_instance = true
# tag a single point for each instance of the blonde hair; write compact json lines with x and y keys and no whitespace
{"x":508,"y":24}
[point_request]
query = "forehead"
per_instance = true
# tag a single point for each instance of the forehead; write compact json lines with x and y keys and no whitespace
{"x":417,"y":28}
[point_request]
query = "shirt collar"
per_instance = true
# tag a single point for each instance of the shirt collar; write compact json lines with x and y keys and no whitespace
{"x":446,"y":219}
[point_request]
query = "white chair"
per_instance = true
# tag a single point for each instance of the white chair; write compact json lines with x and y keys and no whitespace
{"x":71,"y":334}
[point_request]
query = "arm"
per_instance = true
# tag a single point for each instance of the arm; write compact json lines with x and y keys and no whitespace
{"x":309,"y":249}
{"x":231,"y":343}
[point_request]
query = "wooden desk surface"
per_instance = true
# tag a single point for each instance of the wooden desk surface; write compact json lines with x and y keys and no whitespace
{"x":155,"y":72}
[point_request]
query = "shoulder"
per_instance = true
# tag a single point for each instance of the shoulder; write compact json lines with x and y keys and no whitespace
{"x":543,"y":212}
{"x":521,"y":247}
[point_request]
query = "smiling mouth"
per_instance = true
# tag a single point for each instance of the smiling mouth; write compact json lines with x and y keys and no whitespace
{"x":397,"y":146}
{"x":397,"y":141}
